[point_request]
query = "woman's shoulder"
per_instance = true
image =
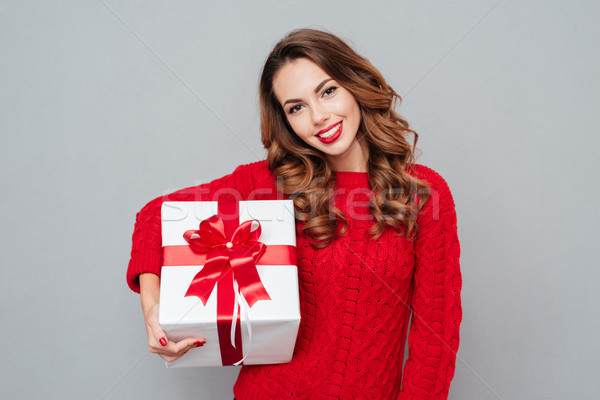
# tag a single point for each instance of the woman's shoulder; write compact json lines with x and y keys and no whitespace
{"x":255,"y":171}
{"x":242,"y":181}
{"x":251,"y":176}
{"x":438,"y":184}
{"x":428,"y":174}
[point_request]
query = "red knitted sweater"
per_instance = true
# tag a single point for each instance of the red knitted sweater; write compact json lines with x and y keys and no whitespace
{"x":356,"y":296}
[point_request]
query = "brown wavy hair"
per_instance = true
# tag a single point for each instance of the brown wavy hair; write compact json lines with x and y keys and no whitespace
{"x":303,"y":173}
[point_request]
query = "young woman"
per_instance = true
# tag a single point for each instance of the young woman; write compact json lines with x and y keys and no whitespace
{"x":376,"y":234}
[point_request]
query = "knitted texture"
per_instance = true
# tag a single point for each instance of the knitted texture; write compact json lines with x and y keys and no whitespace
{"x":356,"y":296}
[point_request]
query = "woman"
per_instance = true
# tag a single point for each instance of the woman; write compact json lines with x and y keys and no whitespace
{"x":376,"y":234}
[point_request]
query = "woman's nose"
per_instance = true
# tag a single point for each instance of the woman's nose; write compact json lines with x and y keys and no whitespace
{"x":319,"y":115}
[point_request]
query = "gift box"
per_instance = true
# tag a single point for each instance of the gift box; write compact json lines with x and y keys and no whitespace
{"x":230,"y":275}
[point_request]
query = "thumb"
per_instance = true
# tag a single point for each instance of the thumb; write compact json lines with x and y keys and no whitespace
{"x":159,"y":334}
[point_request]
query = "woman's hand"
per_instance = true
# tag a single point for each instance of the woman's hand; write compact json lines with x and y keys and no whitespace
{"x":157,"y":339}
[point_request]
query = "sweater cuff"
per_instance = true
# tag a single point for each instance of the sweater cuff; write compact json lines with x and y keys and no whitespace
{"x":141,"y":263}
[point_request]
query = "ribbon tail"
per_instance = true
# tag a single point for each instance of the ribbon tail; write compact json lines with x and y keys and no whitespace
{"x":247,"y":276}
{"x":225,"y":320}
{"x":236,"y":306}
{"x":206,"y":279}
{"x":245,"y":320}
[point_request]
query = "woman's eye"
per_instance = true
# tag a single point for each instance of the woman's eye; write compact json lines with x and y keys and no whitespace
{"x":293,"y":109}
{"x":330,"y":90}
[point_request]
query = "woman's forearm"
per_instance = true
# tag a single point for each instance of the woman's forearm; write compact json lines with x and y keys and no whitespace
{"x":149,"y":291}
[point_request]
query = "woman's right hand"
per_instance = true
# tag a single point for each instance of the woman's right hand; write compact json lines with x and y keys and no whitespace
{"x":158,"y":343}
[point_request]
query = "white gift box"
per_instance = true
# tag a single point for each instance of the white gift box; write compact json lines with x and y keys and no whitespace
{"x":270,"y":327}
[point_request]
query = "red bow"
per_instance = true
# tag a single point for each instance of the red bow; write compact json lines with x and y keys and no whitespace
{"x":238,"y":254}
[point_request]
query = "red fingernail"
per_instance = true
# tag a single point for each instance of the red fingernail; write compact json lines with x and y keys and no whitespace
{"x":163,"y":341}
{"x":198,"y":343}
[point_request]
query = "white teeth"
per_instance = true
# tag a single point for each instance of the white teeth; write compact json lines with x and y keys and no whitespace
{"x":330,"y":132}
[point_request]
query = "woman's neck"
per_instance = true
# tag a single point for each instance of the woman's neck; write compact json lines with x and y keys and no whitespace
{"x":352,"y":160}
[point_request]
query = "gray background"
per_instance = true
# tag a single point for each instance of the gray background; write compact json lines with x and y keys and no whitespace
{"x":105,"y":105}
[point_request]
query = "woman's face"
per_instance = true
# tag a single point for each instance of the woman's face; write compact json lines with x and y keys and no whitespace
{"x":321,"y":112}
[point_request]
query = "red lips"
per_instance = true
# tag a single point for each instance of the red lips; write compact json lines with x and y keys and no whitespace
{"x":326,"y":129}
{"x":335,"y":135}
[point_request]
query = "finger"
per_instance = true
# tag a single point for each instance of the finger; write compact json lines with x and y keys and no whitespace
{"x":175,"y":350}
{"x":186,"y":344}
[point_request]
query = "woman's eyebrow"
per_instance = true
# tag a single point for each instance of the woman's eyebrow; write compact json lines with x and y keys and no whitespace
{"x":319,"y":86}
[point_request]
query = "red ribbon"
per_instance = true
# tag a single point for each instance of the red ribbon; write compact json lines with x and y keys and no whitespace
{"x":229,"y":250}
{"x":239,"y":254}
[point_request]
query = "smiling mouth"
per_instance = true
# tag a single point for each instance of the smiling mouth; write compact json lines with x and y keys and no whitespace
{"x":329,"y":131}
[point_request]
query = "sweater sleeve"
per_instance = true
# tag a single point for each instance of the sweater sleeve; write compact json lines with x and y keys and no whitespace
{"x":146,"y":249}
{"x":435,"y":300}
